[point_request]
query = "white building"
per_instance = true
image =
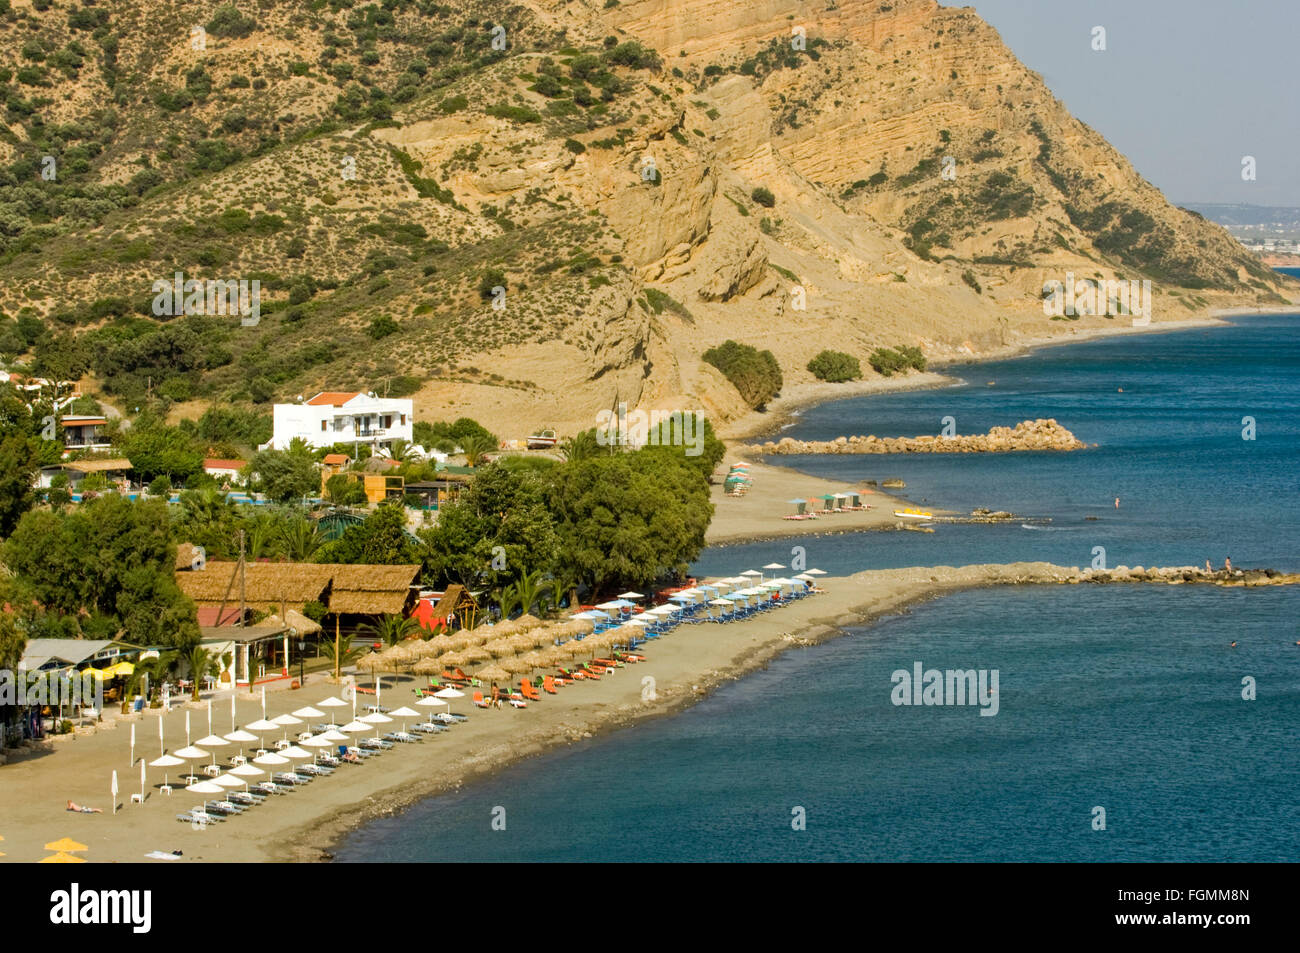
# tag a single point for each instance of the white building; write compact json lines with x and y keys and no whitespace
{"x":343,"y":417}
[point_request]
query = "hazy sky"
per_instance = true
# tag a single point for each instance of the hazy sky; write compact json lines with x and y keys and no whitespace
{"x":1185,"y":88}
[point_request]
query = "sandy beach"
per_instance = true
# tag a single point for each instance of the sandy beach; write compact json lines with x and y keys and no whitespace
{"x":759,"y":514}
{"x":686,"y":664}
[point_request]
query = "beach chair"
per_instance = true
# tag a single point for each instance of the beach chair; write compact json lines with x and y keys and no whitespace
{"x":548,"y":685}
{"x":517,"y":702}
{"x":480,"y":701}
{"x":270,"y":787}
{"x":527,"y":690}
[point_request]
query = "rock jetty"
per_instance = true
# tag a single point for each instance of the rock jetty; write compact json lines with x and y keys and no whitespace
{"x":1027,"y":435}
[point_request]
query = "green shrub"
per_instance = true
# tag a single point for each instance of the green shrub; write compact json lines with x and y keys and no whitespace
{"x":228,"y":21}
{"x":763,"y":196}
{"x":835,"y":366}
{"x":968,"y":276}
{"x":889,"y":361}
{"x":755,"y":374}
{"x":382,"y":326}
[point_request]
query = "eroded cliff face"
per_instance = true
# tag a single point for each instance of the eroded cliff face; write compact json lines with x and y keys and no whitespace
{"x":843,"y":174}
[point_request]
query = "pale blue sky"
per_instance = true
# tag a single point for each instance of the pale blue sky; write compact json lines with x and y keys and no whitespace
{"x":1185,"y":88}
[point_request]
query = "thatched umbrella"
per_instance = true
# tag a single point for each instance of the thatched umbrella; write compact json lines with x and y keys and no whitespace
{"x":522,"y":642}
{"x":373,"y":662}
{"x":421,"y":648}
{"x":402,"y":656}
{"x":581,"y":626}
{"x":452,"y":658}
{"x":462,"y":640}
{"x":492,"y":673}
{"x":500,"y":648}
{"x":516,"y":665}
{"x":428,"y":666}
{"x":533,"y":660}
{"x":442,"y":643}
{"x":502,"y":629}
{"x":476,"y":654}
{"x":527,"y":621}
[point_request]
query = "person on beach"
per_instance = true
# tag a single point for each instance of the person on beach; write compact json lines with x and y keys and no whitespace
{"x":1207,"y":566}
{"x":1117,"y":502}
{"x":78,"y":809}
{"x":1227,"y":564}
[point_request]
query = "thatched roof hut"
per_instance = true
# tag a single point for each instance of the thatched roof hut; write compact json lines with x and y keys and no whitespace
{"x":342,"y":589}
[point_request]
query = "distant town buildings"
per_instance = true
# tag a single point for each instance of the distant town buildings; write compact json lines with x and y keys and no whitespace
{"x":350,"y":417}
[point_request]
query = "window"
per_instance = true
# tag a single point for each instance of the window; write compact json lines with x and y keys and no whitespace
{"x":322,"y":426}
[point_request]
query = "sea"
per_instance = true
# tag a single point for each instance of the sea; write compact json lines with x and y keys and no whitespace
{"x":1133,"y":723}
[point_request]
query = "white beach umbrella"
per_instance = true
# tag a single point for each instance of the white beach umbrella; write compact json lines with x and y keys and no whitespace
{"x":271,"y":759}
{"x":191,"y":753}
{"x":166,"y":761}
{"x":631,"y":595}
{"x":308,"y":712}
{"x":429,"y":701}
{"x":229,"y":781}
{"x":404,"y":713}
{"x":206,"y":787}
{"x":317,"y":741}
{"x":241,"y":738}
{"x":294,"y":753}
{"x":816,"y":572}
{"x":334,"y":735}
{"x":212,"y":741}
{"x":262,"y":726}
{"x":246,"y":771}
{"x":355,"y":727}
{"x":448,"y":693}
{"x":376,"y":719}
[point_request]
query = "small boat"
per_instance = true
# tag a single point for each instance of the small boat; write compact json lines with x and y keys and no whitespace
{"x":910,"y":514}
{"x":543,"y":440}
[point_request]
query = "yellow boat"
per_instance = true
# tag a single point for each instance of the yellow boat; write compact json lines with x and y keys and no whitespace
{"x":910,"y":514}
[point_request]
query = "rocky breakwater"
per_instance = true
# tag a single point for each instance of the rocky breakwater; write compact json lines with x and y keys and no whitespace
{"x":1027,"y":435}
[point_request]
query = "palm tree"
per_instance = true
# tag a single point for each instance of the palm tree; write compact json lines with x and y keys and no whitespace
{"x":474,"y":447}
{"x":581,"y":446}
{"x":152,"y":669}
{"x":201,"y":663}
{"x":300,"y":539}
{"x":261,"y":531}
{"x":403,"y":451}
{"x":392,"y":629}
{"x":349,"y":653}
{"x":563,"y":584}
{"x":530,"y":591}
{"x":507,"y":600}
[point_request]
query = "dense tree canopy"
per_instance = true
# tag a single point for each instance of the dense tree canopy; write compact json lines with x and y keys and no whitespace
{"x":110,"y":557}
{"x":630,"y":518}
{"x":504,"y":507}
{"x":380,"y":540}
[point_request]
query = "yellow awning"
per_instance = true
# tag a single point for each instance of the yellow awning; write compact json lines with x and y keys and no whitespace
{"x":61,"y":859}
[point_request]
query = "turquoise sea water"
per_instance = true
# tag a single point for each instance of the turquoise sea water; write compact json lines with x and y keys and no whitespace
{"x":1124,"y":698}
